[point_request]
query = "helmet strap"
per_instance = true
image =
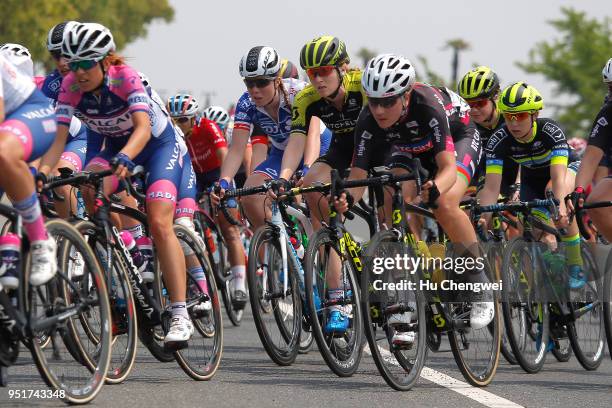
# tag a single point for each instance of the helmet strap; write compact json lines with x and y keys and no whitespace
{"x":273,"y":97}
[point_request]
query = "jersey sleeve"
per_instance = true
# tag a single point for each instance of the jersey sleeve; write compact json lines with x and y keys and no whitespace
{"x":258,"y":136}
{"x":300,"y":115}
{"x":365,"y":130}
{"x":601,"y":132}
{"x":215,"y":135}
{"x":555,"y":138}
{"x":67,"y":100}
{"x":125,"y":82}
{"x":433,"y":120}
{"x":243,"y":116}
{"x":495,"y":151}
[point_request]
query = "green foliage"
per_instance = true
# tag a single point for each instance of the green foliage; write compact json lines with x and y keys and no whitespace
{"x":28,"y":21}
{"x":573,"y":62}
{"x":425,"y":73}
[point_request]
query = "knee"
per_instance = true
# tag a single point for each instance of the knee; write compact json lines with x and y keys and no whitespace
{"x":160,"y":227}
{"x":8,"y":152}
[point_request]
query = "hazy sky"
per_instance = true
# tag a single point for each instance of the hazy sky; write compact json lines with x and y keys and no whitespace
{"x":200,"y":50}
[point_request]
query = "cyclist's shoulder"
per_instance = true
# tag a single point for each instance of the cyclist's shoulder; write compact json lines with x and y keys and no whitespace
{"x":549,"y":129}
{"x":244,"y":104}
{"x":499,"y":138}
{"x":352,"y":81}
{"x":306,"y":96}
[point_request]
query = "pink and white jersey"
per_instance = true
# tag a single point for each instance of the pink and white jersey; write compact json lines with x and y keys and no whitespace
{"x":15,"y":86}
{"x":110,"y":112}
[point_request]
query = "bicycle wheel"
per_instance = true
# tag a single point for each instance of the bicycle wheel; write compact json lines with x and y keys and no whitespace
{"x":57,"y":367}
{"x":124,"y":322}
{"x":494,"y":256}
{"x":202,"y":356}
{"x":342,"y":352}
{"x":585,"y":329}
{"x":477,"y":351}
{"x":400,"y":367}
{"x":277,"y":313}
{"x":607,"y":302}
{"x":526,"y":312}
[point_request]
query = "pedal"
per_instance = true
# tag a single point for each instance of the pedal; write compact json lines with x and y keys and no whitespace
{"x":171,"y":347}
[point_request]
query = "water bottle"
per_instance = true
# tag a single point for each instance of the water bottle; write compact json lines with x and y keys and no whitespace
{"x":10,"y":245}
{"x":297,"y":245}
{"x":137,"y":256}
{"x":81,"y":211}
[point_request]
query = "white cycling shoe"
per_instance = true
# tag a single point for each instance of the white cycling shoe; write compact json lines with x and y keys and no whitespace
{"x":44,"y":261}
{"x":181,"y":330}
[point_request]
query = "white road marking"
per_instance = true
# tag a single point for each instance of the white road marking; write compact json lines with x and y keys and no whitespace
{"x":479,"y":395}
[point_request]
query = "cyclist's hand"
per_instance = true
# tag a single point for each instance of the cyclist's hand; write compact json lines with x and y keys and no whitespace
{"x":482,"y":222}
{"x":563,"y":220}
{"x":341,"y":203}
{"x":278,"y":186}
{"x":41,"y":179}
{"x":122,"y":165}
{"x":218,"y":191}
{"x":430,"y":193}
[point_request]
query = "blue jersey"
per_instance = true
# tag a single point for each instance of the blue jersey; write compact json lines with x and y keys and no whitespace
{"x":51,"y":85}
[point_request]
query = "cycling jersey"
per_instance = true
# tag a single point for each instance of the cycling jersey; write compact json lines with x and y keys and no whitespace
{"x":109,"y":113}
{"x":601,"y":133}
{"x":437,"y":121}
{"x":206,"y":138}
{"x":309,"y":103}
{"x":247,"y":114}
{"x":15,"y":86}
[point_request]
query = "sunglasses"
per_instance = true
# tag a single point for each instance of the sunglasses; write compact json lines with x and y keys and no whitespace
{"x":320,"y":71}
{"x":183,"y":119}
{"x":518,"y":117}
{"x":478,"y":103}
{"x":85,"y":65}
{"x":258,"y":82}
{"x":383,"y":102}
{"x":56,"y":54}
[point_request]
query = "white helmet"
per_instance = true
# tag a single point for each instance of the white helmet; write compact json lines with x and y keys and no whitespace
{"x":217,"y":114}
{"x":87,"y":41}
{"x":19,"y":56}
{"x":387,"y":75}
{"x":56,"y":35}
{"x":607,"y":71}
{"x":260,"y":61}
{"x":182,"y":105}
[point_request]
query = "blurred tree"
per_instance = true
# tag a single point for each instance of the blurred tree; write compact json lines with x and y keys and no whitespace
{"x":457,"y":45}
{"x":366,"y":54}
{"x":28,"y":21}
{"x":424,"y":73}
{"x":573,"y":62}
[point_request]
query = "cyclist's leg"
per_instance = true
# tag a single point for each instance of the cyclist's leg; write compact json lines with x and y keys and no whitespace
{"x":601,"y":216}
{"x":25,"y":135}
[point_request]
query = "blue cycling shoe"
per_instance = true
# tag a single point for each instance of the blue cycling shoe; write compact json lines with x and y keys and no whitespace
{"x":577,"y":279}
{"x":337,"y":323}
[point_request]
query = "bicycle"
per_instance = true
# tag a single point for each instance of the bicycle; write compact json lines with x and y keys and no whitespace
{"x":149,"y":300}
{"x":42,"y":317}
{"x":536,"y":303}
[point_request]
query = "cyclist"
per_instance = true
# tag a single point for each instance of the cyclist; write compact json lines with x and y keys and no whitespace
{"x":20,"y":57}
{"x":111,"y":100}
{"x":480,"y":89}
{"x":540,"y":147}
{"x":599,"y":149}
{"x":27,"y":129}
{"x":266,"y":106}
{"x":220,"y":116}
{"x":406,"y":119}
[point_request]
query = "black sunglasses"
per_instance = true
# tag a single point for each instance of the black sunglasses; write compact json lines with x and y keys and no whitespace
{"x":383,"y":102}
{"x":257,"y":83}
{"x":183,"y":119}
{"x":56,"y":54}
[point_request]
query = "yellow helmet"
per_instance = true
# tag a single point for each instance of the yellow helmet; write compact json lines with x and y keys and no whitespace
{"x":479,"y":83}
{"x":323,"y":51}
{"x":520,"y":97}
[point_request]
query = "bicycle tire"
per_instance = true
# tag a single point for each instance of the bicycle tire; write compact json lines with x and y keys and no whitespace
{"x":607,"y":301}
{"x":591,"y":293}
{"x":286,"y":352}
{"x":408,"y":368}
{"x":518,"y":337}
{"x":124,"y":345}
{"x":200,"y":366}
{"x":93,"y":385}
{"x":342,"y":355}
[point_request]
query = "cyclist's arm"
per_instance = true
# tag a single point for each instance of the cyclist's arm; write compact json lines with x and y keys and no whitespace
{"x":233,"y":159}
{"x":292,"y":155}
{"x":446,"y":176}
{"x":357,"y":174}
{"x":313,"y":142}
{"x":140,"y":136}
{"x":52,"y":156}
{"x":246,"y":161}
{"x":588,"y":165}
{"x":1,"y":108}
{"x":221,"y":153}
